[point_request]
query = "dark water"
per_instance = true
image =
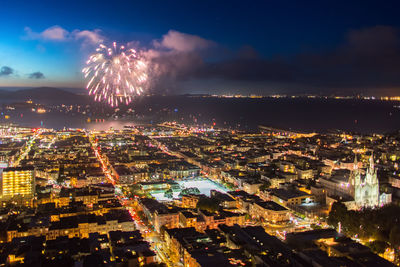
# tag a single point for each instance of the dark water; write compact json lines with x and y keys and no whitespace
{"x":302,"y":114}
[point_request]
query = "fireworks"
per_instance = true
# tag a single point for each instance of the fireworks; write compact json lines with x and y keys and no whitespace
{"x":115,"y":74}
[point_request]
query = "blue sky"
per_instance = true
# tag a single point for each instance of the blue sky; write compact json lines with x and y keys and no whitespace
{"x":281,"y":30}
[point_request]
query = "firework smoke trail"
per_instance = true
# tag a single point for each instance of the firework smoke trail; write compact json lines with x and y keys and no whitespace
{"x":115,"y":74}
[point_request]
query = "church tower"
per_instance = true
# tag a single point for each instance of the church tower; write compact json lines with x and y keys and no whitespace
{"x":366,"y":187}
{"x":354,"y":176}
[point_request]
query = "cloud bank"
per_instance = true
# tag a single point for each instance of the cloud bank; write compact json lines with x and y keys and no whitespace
{"x":182,"y":42}
{"x":6,"y":71}
{"x":368,"y":59}
{"x":36,"y":75}
{"x":59,"y":34}
{"x":175,"y":57}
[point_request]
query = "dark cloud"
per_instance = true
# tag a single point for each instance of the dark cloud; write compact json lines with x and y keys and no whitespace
{"x":36,"y":75}
{"x":176,"y":57}
{"x":168,"y":69}
{"x":6,"y":71}
{"x":368,"y":59}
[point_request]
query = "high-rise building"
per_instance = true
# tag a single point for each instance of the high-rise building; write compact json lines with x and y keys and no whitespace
{"x":18,"y":181}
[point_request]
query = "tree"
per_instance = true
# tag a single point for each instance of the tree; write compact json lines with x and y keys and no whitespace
{"x":394,"y":236}
{"x":61,"y":176}
{"x":315,"y":226}
{"x":208,"y":204}
{"x":394,"y":239}
{"x":310,"y":182}
{"x":378,"y":246}
{"x":156,"y":265}
{"x":265,"y":185}
{"x":337,"y":214}
{"x":168,"y":193}
{"x":136,"y":190}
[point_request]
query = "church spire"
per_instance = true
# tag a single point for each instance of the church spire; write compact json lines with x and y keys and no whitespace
{"x":371,"y":163}
{"x":355,"y":165}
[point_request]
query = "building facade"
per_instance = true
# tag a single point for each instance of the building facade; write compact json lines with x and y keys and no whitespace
{"x":365,"y":188}
{"x":18,"y":182}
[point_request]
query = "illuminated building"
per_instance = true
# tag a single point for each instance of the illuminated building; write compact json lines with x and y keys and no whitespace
{"x":19,"y":181}
{"x":190,"y":200}
{"x":291,"y":197}
{"x":269,"y":211}
{"x":360,"y":188}
{"x":365,"y":188}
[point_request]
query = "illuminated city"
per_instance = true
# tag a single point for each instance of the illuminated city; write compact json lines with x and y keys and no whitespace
{"x":162,"y":184}
{"x":199,"y":134}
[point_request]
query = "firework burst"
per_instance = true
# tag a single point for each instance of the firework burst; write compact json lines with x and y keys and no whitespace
{"x":115,"y":74}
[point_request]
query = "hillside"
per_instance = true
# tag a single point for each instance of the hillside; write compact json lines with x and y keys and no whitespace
{"x":43,"y":95}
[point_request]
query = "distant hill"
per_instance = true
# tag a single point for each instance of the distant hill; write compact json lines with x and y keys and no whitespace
{"x":43,"y":95}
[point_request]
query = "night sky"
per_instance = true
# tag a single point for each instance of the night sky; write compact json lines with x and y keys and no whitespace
{"x":260,"y":47}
